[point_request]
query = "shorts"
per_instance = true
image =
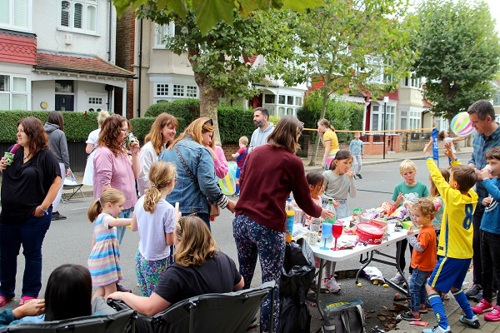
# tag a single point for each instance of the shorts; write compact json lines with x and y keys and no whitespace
{"x":449,"y":272}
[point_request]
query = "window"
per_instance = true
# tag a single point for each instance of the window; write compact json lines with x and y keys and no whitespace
{"x":378,"y":118}
{"x":496,"y":99}
{"x":413,"y":81}
{"x":289,"y":100}
{"x":191,"y":91}
{"x":414,"y":119}
{"x":163,"y":32}
{"x":281,"y":99}
{"x":13,"y":93}
{"x":95,"y":100}
{"x":64,"y":86}
{"x":178,"y":90}
{"x":161,"y":89}
{"x":80,"y":15}
{"x":298,"y":101}
{"x":15,"y":14}
{"x":269,"y":98}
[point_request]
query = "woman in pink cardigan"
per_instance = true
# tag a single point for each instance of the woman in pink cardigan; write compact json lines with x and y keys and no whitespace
{"x":113,"y":168}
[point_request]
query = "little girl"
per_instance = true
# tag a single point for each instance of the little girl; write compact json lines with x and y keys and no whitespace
{"x":339,"y":182}
{"x":155,"y":219}
{"x":104,"y":260}
{"x":316,"y":186}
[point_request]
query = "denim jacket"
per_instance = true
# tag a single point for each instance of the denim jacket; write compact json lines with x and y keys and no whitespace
{"x":193,"y":196}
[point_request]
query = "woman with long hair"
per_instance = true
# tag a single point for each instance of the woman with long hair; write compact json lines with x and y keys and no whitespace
{"x":160,"y":136}
{"x":29,"y":187}
{"x":271,"y":172}
{"x":199,"y":268}
{"x":197,"y":185}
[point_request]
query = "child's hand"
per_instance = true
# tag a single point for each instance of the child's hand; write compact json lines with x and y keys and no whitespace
{"x":486,"y":173}
{"x":350,"y":174}
{"x":427,"y":148}
{"x":336,"y":203}
{"x":486,"y":201}
{"x":449,"y":152}
{"x":410,"y":231}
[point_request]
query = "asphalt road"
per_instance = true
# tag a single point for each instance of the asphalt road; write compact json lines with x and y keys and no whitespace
{"x":69,"y":241}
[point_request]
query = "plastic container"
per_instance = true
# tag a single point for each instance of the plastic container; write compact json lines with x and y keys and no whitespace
{"x":369,"y":234}
{"x":290,"y":219}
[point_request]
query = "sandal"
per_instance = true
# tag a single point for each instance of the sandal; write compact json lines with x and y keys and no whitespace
{"x":26,"y":299}
{"x":4,"y":300}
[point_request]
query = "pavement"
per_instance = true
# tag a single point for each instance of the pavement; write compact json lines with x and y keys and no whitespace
{"x":451,"y":306}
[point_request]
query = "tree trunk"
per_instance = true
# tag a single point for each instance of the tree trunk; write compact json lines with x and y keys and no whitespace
{"x":325,"y":94}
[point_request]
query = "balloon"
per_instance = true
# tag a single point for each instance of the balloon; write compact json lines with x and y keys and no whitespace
{"x":228,"y":183}
{"x":461,"y":124}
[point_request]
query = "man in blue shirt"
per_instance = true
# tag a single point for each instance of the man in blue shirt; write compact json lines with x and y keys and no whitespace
{"x":482,"y":116}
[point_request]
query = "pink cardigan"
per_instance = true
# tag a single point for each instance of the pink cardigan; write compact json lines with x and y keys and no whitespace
{"x":220,"y":162}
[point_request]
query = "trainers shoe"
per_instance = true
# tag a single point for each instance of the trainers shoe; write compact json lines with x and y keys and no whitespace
{"x":4,"y":300}
{"x":121,"y":288}
{"x":359,"y":176}
{"x":473,"y":291}
{"x":482,"y":306}
{"x":493,"y":315}
{"x":26,"y":299}
{"x":473,"y":322}
{"x":409,"y":316}
{"x":397,"y":279}
{"x":56,"y":216}
{"x":422,"y":308}
{"x":437,"y":329}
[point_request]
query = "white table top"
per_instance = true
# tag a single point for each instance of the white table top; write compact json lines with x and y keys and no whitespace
{"x":340,"y":255}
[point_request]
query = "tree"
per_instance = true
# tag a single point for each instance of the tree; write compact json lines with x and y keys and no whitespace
{"x":208,"y":13}
{"x":351,"y":47}
{"x":459,"y":54}
{"x":217,"y":56}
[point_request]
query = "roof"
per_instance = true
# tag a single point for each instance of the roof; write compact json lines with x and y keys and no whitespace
{"x":81,"y":64}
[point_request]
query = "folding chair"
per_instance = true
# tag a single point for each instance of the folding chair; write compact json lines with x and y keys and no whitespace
{"x":70,"y":183}
{"x":120,"y":322}
{"x":209,"y":313}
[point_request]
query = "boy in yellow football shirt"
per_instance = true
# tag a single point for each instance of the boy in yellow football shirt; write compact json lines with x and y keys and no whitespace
{"x":455,"y":239}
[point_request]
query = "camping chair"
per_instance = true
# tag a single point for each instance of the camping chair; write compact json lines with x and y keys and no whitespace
{"x":70,"y":183}
{"x":120,"y":322}
{"x":209,"y":313}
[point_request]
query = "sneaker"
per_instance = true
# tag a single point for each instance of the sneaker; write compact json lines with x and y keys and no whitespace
{"x":332,"y":285}
{"x":423,"y":308}
{"x":56,"y":216}
{"x":397,"y":279}
{"x":121,"y":288}
{"x":4,"y":300}
{"x":437,"y":329}
{"x":473,"y":322}
{"x":473,"y":291}
{"x":482,"y":306}
{"x":493,"y":315}
{"x":26,"y":299}
{"x":359,"y":176}
{"x":409,"y":316}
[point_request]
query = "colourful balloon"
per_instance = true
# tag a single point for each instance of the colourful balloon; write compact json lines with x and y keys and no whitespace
{"x":228,"y":183}
{"x":461,"y":124}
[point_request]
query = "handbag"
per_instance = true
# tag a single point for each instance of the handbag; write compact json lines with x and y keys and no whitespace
{"x":214,"y":209}
{"x":344,"y":317}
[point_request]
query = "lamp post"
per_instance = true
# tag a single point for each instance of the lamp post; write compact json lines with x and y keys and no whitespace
{"x":386,"y":100}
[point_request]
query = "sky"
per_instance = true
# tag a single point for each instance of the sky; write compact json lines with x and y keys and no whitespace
{"x":495,"y":12}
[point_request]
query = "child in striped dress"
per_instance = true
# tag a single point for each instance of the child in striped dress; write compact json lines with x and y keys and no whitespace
{"x":104,"y":260}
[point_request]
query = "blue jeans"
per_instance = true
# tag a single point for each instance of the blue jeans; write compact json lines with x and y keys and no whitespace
{"x":252,"y":240}
{"x":120,"y":231}
{"x":417,"y":288}
{"x":204,"y":216}
{"x":30,"y":235}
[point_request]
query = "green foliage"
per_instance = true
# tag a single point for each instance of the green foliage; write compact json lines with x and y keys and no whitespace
{"x":459,"y":53}
{"x":234,"y":123}
{"x":185,"y":110}
{"x":210,"y":13}
{"x":141,"y":126}
{"x":342,"y":115}
{"x":77,"y":125}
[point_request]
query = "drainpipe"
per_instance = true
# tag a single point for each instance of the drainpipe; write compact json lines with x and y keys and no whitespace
{"x":110,"y":27}
{"x":139,"y":85}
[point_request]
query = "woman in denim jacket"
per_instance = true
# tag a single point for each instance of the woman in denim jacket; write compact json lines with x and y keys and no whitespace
{"x":197,"y":186}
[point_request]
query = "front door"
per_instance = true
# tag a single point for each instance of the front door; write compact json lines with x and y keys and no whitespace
{"x":65,"y":102}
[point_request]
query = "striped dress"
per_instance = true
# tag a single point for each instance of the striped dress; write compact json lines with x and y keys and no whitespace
{"x":104,"y":260}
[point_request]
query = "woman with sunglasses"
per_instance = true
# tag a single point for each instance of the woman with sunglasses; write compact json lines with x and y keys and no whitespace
{"x":271,"y":172}
{"x":199,"y":268}
{"x":197,"y":185}
{"x":112,"y":166}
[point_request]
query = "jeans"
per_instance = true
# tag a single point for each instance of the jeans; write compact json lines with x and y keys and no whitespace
{"x":30,"y":235}
{"x":476,"y":245}
{"x":490,"y":257}
{"x":417,"y":288}
{"x":357,"y":163}
{"x":120,"y":231}
{"x":252,"y":240}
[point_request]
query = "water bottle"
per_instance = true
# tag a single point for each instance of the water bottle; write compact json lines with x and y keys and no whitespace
{"x":331,"y":207}
{"x":290,"y":218}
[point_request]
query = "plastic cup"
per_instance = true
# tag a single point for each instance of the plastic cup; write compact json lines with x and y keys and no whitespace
{"x":9,"y":157}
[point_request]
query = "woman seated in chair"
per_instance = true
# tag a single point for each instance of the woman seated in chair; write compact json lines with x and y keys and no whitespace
{"x":198,"y":269}
{"x":68,"y":295}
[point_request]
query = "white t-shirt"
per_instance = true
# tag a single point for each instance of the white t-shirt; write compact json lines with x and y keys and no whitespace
{"x":450,"y":140}
{"x":93,"y":137}
{"x":153,"y":227}
{"x":147,"y":156}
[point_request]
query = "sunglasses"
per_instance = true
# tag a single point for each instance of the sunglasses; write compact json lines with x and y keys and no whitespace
{"x":209,"y":121}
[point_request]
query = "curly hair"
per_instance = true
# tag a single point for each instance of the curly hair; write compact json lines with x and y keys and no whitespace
{"x":111,"y":129}
{"x":196,"y":129}
{"x":425,"y":206}
{"x":196,"y":243}
{"x":161,"y":175}
{"x":38,"y":139}
{"x":155,"y":135}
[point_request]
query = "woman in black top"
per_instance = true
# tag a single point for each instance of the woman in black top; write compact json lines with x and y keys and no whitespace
{"x":29,"y":186}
